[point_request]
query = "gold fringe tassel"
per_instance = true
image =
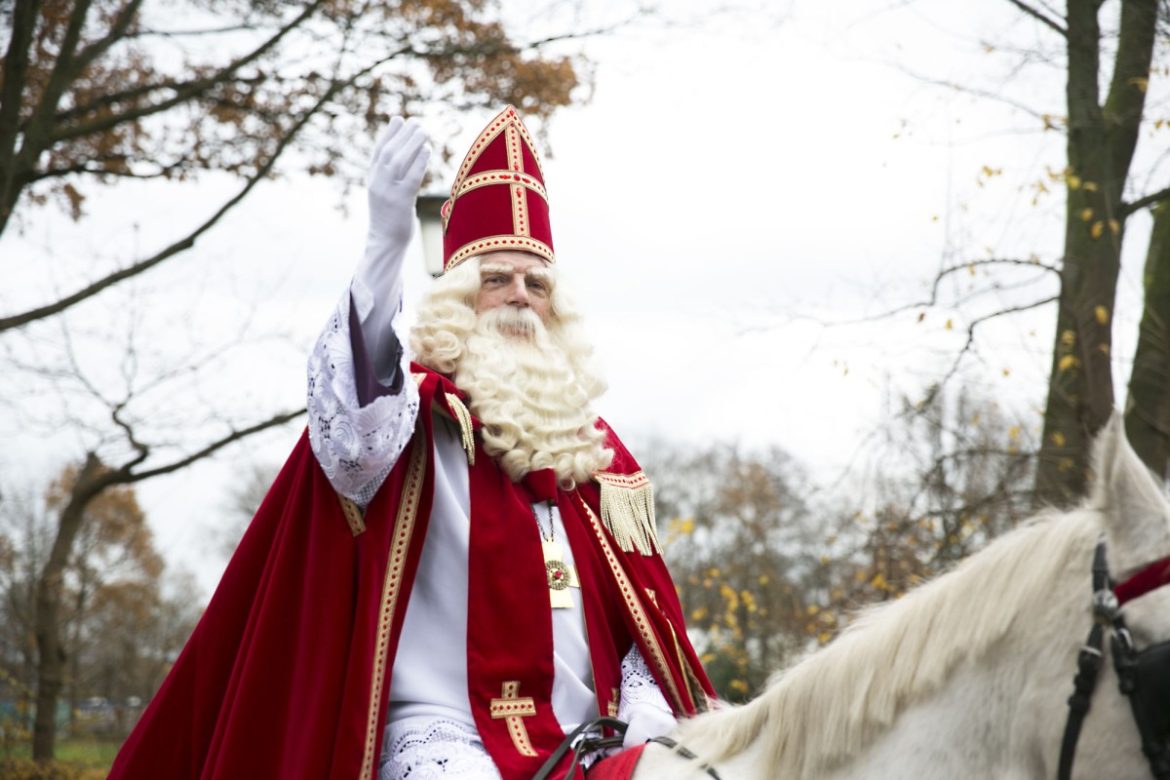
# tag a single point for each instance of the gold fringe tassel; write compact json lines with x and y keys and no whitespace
{"x":464,"y":418}
{"x":627,"y":509}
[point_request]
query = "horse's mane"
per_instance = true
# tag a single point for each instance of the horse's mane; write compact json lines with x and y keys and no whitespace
{"x":835,"y":701}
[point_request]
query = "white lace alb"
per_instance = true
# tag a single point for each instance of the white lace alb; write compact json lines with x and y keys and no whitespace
{"x":425,"y":749}
{"x":356,"y":445}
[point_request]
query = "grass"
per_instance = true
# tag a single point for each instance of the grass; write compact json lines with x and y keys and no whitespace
{"x":85,"y":752}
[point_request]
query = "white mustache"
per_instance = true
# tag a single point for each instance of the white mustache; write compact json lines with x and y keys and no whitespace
{"x":512,"y":321}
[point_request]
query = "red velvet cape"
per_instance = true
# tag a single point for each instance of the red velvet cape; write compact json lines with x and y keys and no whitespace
{"x":287,"y":673}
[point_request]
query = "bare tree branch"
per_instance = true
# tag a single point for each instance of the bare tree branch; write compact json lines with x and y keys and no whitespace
{"x":1045,"y":117}
{"x":116,"y":33}
{"x":235,"y":435}
{"x":190,"y":90}
{"x":1147,"y":200}
{"x":948,"y":271}
{"x":1037,"y":14}
{"x":975,"y":323}
{"x":144,"y":33}
{"x":183,"y":244}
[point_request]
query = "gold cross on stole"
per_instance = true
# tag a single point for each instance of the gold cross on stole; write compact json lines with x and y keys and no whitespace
{"x":514,"y":709}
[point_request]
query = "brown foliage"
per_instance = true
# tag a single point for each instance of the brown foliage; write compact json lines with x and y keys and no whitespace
{"x":96,"y":91}
{"x":125,"y":88}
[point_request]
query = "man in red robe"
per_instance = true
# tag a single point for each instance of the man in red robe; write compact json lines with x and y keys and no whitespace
{"x":458,"y":564}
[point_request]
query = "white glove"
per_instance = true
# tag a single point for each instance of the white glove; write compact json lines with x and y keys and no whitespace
{"x":644,"y":722}
{"x":396,"y":171}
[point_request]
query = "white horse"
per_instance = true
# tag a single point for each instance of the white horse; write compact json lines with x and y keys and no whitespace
{"x":968,"y":675}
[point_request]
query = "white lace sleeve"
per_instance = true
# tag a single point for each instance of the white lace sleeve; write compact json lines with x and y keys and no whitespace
{"x":638,"y":686}
{"x":425,"y":749}
{"x":356,"y":445}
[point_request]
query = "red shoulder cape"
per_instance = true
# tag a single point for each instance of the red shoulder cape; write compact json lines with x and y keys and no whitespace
{"x":287,"y":673}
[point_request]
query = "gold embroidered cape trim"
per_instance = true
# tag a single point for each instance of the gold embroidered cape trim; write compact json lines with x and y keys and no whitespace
{"x":641,"y":621}
{"x":353,"y":515}
{"x":494,"y":243}
{"x":466,"y":431}
{"x":627,"y":509}
{"x":404,"y":524}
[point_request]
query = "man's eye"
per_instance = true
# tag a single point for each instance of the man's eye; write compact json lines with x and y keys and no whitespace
{"x":538,"y":286}
{"x":496,"y":279}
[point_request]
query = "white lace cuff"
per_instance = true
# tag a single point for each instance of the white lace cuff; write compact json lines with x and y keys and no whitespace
{"x":356,"y":445}
{"x":426,"y":749}
{"x":639,"y":688}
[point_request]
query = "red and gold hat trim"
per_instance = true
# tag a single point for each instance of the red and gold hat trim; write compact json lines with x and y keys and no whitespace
{"x":513,"y":178}
{"x":498,"y":243}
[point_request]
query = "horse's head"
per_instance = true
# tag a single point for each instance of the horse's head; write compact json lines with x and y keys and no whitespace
{"x":1131,"y":611}
{"x":969,"y":674}
{"x":1135,"y":511}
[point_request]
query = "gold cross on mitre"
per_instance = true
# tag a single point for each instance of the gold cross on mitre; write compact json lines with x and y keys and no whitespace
{"x":513,"y":709}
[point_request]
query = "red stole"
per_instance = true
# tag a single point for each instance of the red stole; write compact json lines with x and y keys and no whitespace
{"x":510,"y":632}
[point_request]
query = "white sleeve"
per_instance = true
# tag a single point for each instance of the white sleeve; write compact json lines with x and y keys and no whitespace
{"x":641,"y":703}
{"x":377,"y":299}
{"x":356,"y":445}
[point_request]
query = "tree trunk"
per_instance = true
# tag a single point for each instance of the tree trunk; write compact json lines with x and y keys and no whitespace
{"x":1101,"y":142}
{"x":51,"y":652}
{"x":1147,"y":415}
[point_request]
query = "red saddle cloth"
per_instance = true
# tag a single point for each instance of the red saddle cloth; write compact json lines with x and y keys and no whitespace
{"x":619,"y":767}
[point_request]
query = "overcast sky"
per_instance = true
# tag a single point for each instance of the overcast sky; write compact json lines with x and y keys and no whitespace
{"x":736,"y":186}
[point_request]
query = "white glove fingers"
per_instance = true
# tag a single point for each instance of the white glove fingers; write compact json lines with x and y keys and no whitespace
{"x":405,"y":135}
{"x":388,"y":132}
{"x":402,"y":160}
{"x":418,"y":165}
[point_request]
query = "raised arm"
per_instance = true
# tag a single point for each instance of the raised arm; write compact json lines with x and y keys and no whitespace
{"x":361,"y":409}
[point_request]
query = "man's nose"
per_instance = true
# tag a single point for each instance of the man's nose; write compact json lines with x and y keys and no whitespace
{"x":518,"y":292}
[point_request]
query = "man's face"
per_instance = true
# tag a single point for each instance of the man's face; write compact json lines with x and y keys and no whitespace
{"x":517,"y":279}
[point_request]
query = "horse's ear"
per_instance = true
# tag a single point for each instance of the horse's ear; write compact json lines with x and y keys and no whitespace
{"x":1135,"y":509}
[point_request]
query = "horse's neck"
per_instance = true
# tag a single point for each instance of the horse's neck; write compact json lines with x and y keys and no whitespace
{"x":998,"y":711}
{"x":1000,"y":714}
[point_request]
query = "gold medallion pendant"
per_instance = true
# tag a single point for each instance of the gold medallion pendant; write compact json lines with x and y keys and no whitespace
{"x":561,"y":576}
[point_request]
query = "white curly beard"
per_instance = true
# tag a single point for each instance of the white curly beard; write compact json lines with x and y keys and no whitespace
{"x":532,"y":398}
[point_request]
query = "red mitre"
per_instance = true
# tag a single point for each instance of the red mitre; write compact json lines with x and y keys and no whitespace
{"x":498,"y":200}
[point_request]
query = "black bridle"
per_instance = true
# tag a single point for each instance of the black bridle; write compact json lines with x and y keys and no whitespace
{"x":1143,"y":676}
{"x":585,"y":739}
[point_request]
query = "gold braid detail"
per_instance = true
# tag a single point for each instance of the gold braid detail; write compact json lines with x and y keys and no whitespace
{"x":404,"y":524}
{"x":641,"y":621}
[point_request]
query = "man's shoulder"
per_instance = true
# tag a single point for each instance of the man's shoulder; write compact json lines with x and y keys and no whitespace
{"x":624,"y":463}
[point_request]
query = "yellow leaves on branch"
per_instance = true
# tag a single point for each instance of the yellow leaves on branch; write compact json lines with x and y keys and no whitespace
{"x":986,"y":173}
{"x":1102,"y":315}
{"x":1068,"y":362}
{"x":1098,"y":228}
